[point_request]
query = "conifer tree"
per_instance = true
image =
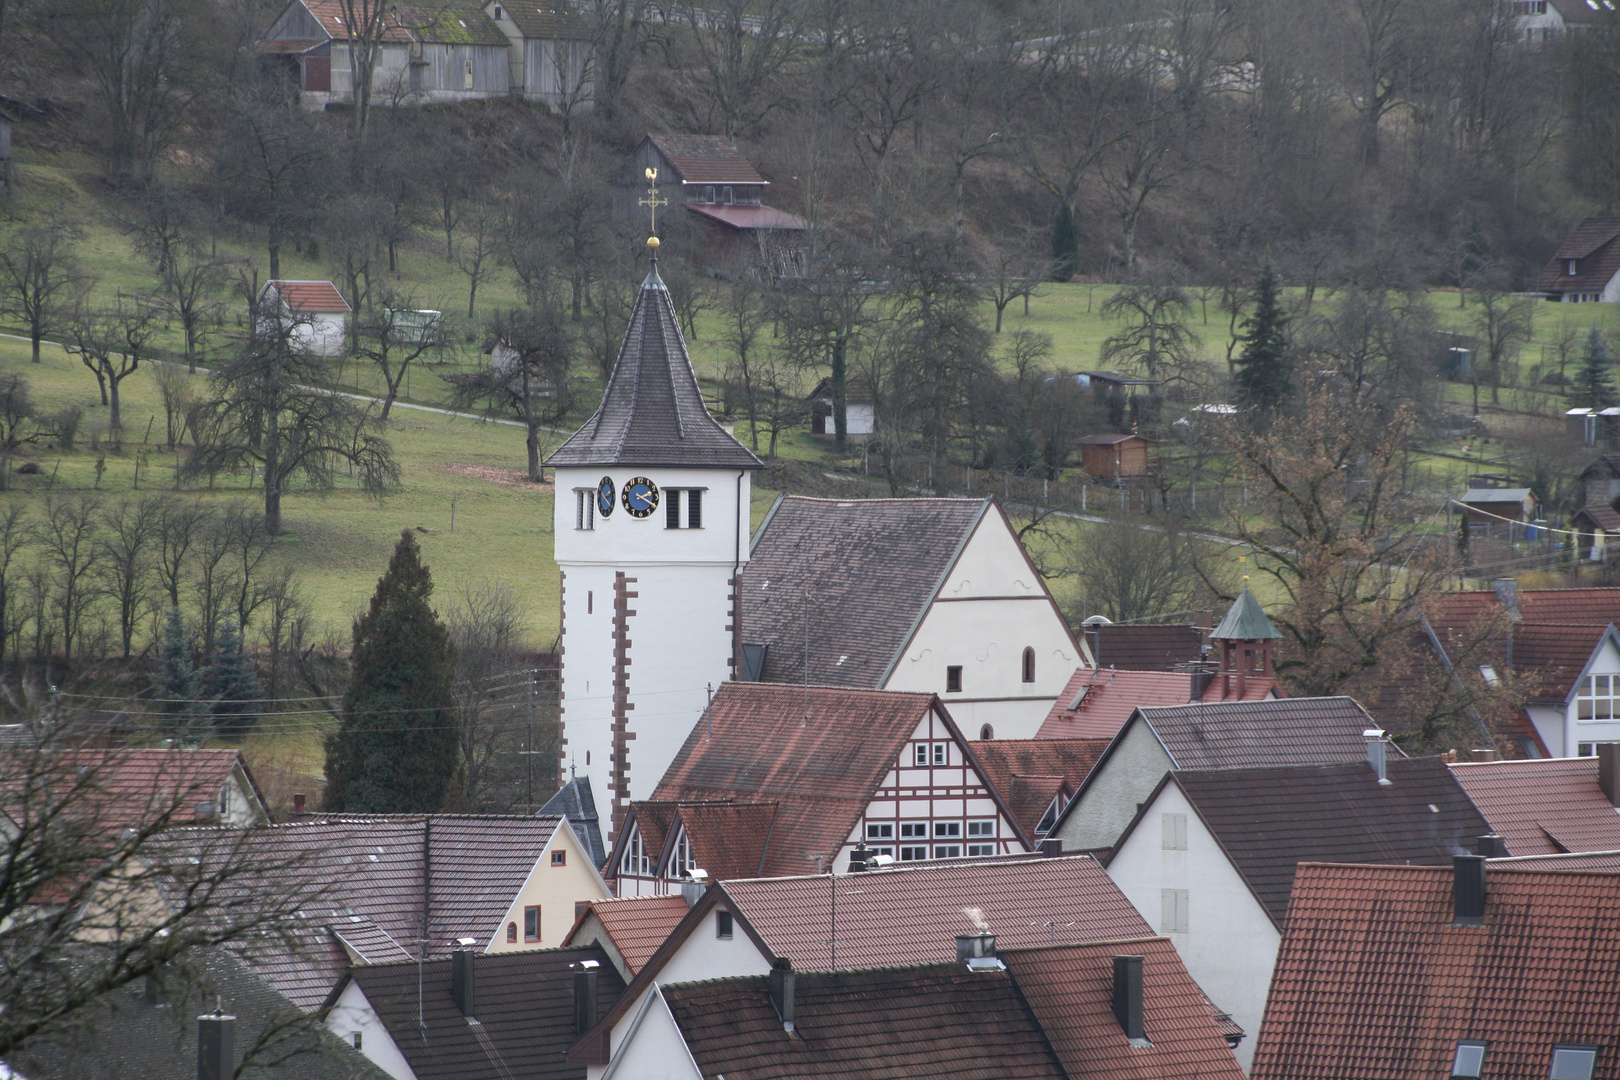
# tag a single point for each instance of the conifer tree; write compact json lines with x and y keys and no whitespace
{"x":1264,"y":375}
{"x":396,"y":746}
{"x":1594,"y":387}
{"x":229,"y":684}
{"x":1065,"y":244}
{"x":174,"y":681}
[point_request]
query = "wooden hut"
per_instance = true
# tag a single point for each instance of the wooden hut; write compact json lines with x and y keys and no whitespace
{"x":1115,"y":457}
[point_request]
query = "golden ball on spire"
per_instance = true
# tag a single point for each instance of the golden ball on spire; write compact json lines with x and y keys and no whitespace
{"x":652,"y":242}
{"x":1245,"y":579}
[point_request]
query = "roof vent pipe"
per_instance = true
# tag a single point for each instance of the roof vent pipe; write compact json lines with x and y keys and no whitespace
{"x":1377,"y":754}
{"x":1128,"y":997}
{"x":1491,"y":846}
{"x":1608,"y":755}
{"x":1468,"y":890}
{"x":783,"y":980}
{"x":585,"y":979}
{"x":463,"y":986}
{"x":216,"y":1047}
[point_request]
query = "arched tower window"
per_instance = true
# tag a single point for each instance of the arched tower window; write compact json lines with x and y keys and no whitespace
{"x":987,"y":732}
{"x":1029,"y":664}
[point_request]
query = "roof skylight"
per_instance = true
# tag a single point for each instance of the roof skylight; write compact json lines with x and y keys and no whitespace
{"x":1469,"y":1061}
{"x":1573,"y":1063}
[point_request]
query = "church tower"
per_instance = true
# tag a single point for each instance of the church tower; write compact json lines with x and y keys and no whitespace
{"x":651,"y":526}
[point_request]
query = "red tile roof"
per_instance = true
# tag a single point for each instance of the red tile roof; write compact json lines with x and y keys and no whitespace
{"x":1150,"y":647}
{"x":121,"y":788}
{"x":1373,"y":981}
{"x":1071,"y":992}
{"x":636,"y":925}
{"x":728,"y":839}
{"x":1096,"y":702}
{"x":1593,"y":245}
{"x":329,"y":13}
{"x":912,"y":914}
{"x":1543,"y":806}
{"x":758,"y":746}
{"x":1592,"y":607}
{"x":706,"y":159}
{"x":1586,"y":860}
{"x":1030,"y":773}
{"x":317,"y":296}
{"x":919,"y":1023}
{"x":749,"y":217}
{"x":367,"y":870}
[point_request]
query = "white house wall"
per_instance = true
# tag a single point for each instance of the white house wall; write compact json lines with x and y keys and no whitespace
{"x":1606,"y":661}
{"x":680,"y":632}
{"x":991,"y":607}
{"x":1107,"y":804}
{"x":656,"y":1051}
{"x":1229,"y":945}
{"x":703,"y":955}
{"x":353,"y":1013}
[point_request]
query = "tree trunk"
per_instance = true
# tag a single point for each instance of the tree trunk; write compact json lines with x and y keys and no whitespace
{"x":275,"y":258}
{"x":115,"y":421}
{"x":840,"y":391}
{"x":531,"y":438}
{"x":272,"y":475}
{"x":34,"y":334}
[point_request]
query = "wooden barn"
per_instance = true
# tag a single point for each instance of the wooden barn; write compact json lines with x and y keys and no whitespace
{"x":1115,"y":457}
{"x":1495,"y":511}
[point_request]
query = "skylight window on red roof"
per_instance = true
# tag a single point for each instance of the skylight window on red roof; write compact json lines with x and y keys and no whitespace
{"x":1573,"y":1063}
{"x":1469,"y":1060}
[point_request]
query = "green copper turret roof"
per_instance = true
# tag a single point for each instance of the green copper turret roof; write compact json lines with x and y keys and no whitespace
{"x":1245,"y":621}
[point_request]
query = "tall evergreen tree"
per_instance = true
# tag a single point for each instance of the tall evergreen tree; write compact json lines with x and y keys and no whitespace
{"x":1594,"y":386}
{"x":229,"y":684}
{"x":1265,"y":366}
{"x":174,"y":680}
{"x":395,"y":750}
{"x":1065,"y":244}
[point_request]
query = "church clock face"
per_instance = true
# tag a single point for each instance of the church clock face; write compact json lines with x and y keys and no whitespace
{"x":640,"y":497}
{"x":606,"y":490}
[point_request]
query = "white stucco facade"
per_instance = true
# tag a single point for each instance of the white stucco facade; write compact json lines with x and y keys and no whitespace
{"x":353,"y":1016}
{"x":992,"y":606}
{"x":1591,"y":713}
{"x":1177,"y":877}
{"x":1104,"y":807}
{"x":653,"y":1049}
{"x":678,"y":622}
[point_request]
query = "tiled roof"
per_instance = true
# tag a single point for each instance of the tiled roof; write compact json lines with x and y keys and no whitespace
{"x":316,"y":296}
{"x":523,"y":1002}
{"x":732,"y":840}
{"x":366,"y":870}
{"x":1543,"y":806}
{"x":1149,"y":647}
{"x":1109,"y":697}
{"x":1071,"y":992}
{"x":1592,"y":607}
{"x":541,"y":23}
{"x":912,"y":914}
{"x":1555,"y":653}
{"x":1604,"y":517}
{"x":1277,"y":731}
{"x":1585,"y":860}
{"x":637,"y":925}
{"x":1107,"y":440}
{"x":1268,"y":821}
{"x":652,"y":412}
{"x":1245,"y":620}
{"x":917,"y":1023}
{"x":1490,"y":496}
{"x":329,"y":13}
{"x":749,"y":217}
{"x":757,"y":745}
{"x":451,"y":24}
{"x":120,"y":788}
{"x":834,"y":551}
{"x":1592,"y":243}
{"x":1030,"y":773}
{"x":1373,"y":981}
{"x":706,"y":159}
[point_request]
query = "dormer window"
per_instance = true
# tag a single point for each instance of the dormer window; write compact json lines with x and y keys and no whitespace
{"x":726,"y":196}
{"x":1469,"y":1061}
{"x":1570,"y":268}
{"x":498,"y":14}
{"x":680,"y":861}
{"x":708,"y":194}
{"x":635,"y":862}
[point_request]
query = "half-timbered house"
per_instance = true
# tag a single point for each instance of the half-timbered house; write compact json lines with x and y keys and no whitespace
{"x":783,"y":780}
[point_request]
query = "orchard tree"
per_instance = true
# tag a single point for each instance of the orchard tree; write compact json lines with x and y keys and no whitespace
{"x":396,"y":748}
{"x":41,"y":280}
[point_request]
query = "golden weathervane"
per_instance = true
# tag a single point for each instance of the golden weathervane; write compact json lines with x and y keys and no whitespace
{"x":652,"y":202}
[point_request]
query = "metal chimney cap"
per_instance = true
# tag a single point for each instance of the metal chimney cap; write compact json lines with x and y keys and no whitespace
{"x":1374,"y":733}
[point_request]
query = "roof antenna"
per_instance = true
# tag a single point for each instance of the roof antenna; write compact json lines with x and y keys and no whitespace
{"x":708,"y":713}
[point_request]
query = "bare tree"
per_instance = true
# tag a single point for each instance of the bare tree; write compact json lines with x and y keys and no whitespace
{"x":393,"y":335}
{"x":192,"y":282}
{"x":1503,"y":322}
{"x":528,"y":373}
{"x":18,"y":423}
{"x":176,"y":393}
{"x":128,"y":536}
{"x":111,"y":342}
{"x":16,"y":532}
{"x":41,"y":281}
{"x":493,"y":693}
{"x":270,"y":160}
{"x":67,"y":537}
{"x":1132,"y":569}
{"x":742,"y":46}
{"x":479,"y":252}
{"x":1155,"y":336}
{"x":179,"y":525}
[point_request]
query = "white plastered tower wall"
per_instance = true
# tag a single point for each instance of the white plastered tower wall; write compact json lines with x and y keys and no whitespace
{"x":678,"y":622}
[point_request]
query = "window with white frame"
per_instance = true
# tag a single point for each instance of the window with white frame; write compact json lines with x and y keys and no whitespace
{"x":983,"y":832}
{"x":1173,"y":911}
{"x":1175,"y":832}
{"x":939,"y":753}
{"x":584,"y":508}
{"x":635,"y":862}
{"x":680,"y":860}
{"x":911,"y":853}
{"x":950,"y":829}
{"x":1572,"y":1063}
{"x":919,"y":753}
{"x":1596,"y":700}
{"x":913,"y":830}
{"x":878,"y":835}
{"x":947,"y":851}
{"x":981,"y":828}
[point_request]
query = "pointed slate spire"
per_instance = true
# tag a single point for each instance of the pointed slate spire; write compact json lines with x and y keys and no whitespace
{"x":653,"y":413}
{"x":1245,"y":621}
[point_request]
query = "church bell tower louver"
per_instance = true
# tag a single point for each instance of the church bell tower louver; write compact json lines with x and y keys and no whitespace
{"x":651,"y":526}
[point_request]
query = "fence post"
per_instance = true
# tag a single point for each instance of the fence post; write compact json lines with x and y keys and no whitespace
{"x":1082,"y":498}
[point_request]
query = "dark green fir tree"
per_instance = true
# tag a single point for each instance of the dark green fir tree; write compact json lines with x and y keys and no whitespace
{"x":1265,"y":365}
{"x":395,"y":748}
{"x":1065,"y":244}
{"x":174,"y":679}
{"x":229,"y":684}
{"x":1594,"y":383}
